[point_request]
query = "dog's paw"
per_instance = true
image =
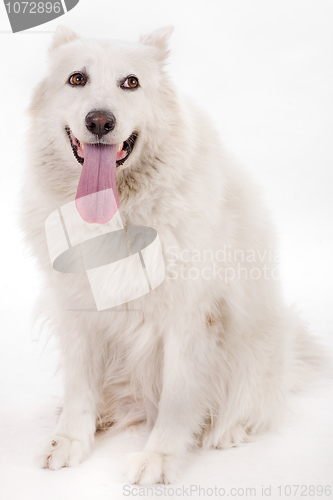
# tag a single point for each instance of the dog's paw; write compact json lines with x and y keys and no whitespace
{"x":55,"y":452}
{"x":148,"y":467}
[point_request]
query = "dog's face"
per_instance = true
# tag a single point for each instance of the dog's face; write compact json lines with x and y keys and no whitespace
{"x":100,"y":106}
{"x":104,"y":92}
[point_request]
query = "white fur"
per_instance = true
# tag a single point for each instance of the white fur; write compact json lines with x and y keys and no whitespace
{"x":207,"y":362}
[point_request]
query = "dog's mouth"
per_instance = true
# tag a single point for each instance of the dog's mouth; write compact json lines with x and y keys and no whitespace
{"x":124,"y":149}
{"x":97,"y":197}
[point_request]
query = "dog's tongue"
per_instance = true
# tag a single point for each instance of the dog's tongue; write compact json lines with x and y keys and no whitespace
{"x":97,"y":194}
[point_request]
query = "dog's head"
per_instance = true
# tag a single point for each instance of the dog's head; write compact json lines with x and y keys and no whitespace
{"x":101,"y":103}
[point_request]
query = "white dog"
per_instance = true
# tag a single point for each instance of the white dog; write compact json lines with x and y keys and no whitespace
{"x":208,"y":357}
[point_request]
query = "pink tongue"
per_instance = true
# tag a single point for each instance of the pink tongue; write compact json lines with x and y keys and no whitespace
{"x":97,"y":194}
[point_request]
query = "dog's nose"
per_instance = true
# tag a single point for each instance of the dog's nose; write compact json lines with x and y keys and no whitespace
{"x":100,"y":122}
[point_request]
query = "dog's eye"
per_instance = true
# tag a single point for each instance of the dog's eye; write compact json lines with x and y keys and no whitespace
{"x":131,"y":82}
{"x":77,"y":79}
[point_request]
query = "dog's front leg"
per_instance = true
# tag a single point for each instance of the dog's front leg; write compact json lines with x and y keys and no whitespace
{"x":183,"y":402}
{"x":73,"y":437}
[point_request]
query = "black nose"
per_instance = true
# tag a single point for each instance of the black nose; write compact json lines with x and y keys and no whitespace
{"x":100,"y":122}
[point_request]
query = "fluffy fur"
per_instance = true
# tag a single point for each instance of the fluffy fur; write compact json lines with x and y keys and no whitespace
{"x":206,"y":360}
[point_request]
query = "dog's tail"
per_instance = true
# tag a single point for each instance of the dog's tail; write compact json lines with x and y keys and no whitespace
{"x":311,"y":363}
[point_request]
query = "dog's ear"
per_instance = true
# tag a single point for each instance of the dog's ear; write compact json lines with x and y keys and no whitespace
{"x":159,"y":39}
{"x":62,"y":35}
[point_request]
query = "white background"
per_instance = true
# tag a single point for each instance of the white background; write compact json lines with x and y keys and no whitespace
{"x":263,"y":71}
